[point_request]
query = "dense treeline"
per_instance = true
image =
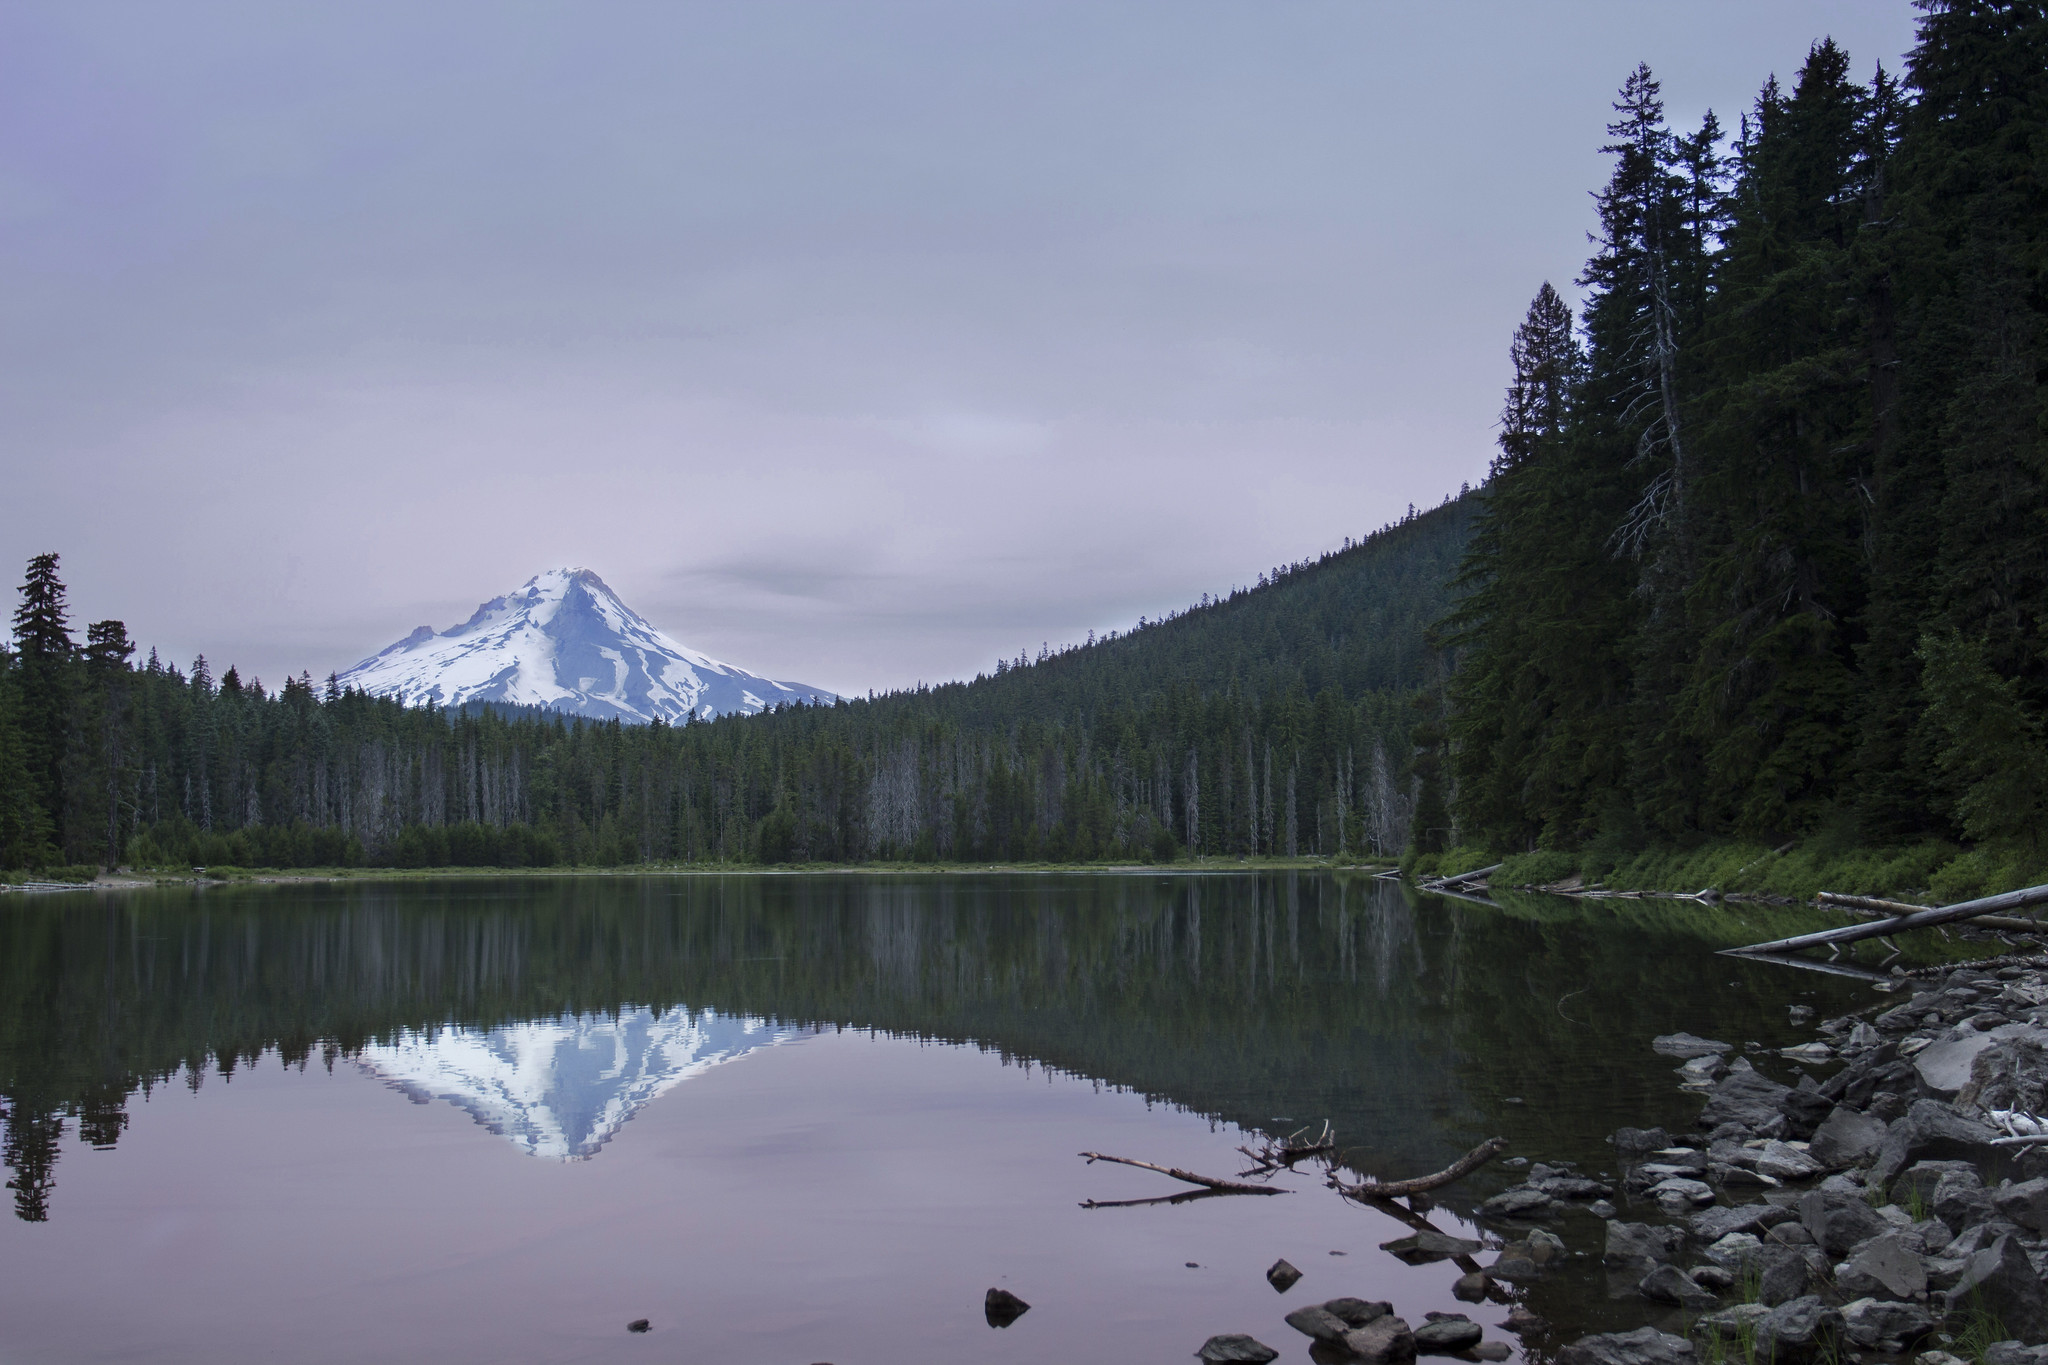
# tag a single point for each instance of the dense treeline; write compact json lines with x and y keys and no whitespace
{"x":1765,"y":548}
{"x":1276,"y":720}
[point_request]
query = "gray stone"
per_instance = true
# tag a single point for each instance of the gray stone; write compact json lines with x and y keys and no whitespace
{"x":2025,"y":1203}
{"x":1669,"y":1284}
{"x":1783,"y":1161}
{"x":1001,"y":1308}
{"x":1644,"y":1346}
{"x":1917,"y":1183}
{"x":1970,"y":1241}
{"x":1514,"y":1267}
{"x":1493,"y":1350}
{"x":1641,"y":1245}
{"x":1636,"y":1141}
{"x":1870,"y":1321}
{"x":1702,"y":1071}
{"x":1713,"y":1277}
{"x":1545,"y":1248}
{"x":1358,"y":1312}
{"x":1686,"y":1045}
{"x":1790,"y":1235}
{"x":1803,"y":1107}
{"x":1282,"y":1275}
{"x":2014,"y":1353}
{"x":1318,"y":1322}
{"x":1961,"y":1201}
{"x":1442,"y":1336}
{"x":1838,"y":1221}
{"x":1684,"y":1190}
{"x":1801,"y":1331}
{"x":1714,"y":1224}
{"x":1236,"y":1349}
{"x":1847,"y":1137}
{"x":1519,"y":1202}
{"x":1524,"y":1319}
{"x":2005,"y":1281}
{"x":1747,"y":1097}
{"x":1944,"y":1065}
{"x":1736,"y":1250}
{"x":1785,"y":1276}
{"x":1421,"y":1248}
{"x":1884,"y":1268}
{"x":1383,"y":1341}
{"x":1680,"y":1158}
{"x":1472,"y":1287}
{"x":1730,"y":1323}
{"x":2010,"y":1074}
{"x":1600,"y":1208}
{"x":1572,"y":1187}
{"x":1931,"y":1130}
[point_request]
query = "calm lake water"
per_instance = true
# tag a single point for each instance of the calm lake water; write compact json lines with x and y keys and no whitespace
{"x":800,"y":1119}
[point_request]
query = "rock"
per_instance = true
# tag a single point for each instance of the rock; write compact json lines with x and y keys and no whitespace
{"x":1236,"y":1349}
{"x":1641,"y":1245}
{"x":1442,"y":1336}
{"x":2004,"y":1279}
{"x":1676,"y":1159}
{"x":1838,"y":1221}
{"x":1644,"y":1346}
{"x":1636,"y":1141}
{"x":1747,"y":1097}
{"x":1002,"y":1308}
{"x":1790,"y":1235}
{"x":1884,"y":1268}
{"x":2014,"y":1353}
{"x":1685,"y":1191}
{"x":1785,"y":1276}
{"x":1944,"y":1065}
{"x":1493,"y":1350}
{"x":1803,"y":1107}
{"x":1472,"y":1287}
{"x":1847,"y":1137}
{"x":1572,"y":1187}
{"x":1939,"y":1358}
{"x":1383,"y":1341}
{"x":2025,"y":1204}
{"x":2010,"y":1074}
{"x":1669,"y":1284}
{"x":1318,"y":1322}
{"x":1513,"y":1267}
{"x":1730,"y":1324}
{"x":1803,"y":1330}
{"x":1686,"y":1045}
{"x":1870,"y":1321}
{"x":1702,"y":1072}
{"x":1783,"y":1161}
{"x":1713,"y":1277}
{"x":1808,"y":1052}
{"x":1545,"y":1248}
{"x":1522,"y":1201}
{"x":1960,"y":1201}
{"x":1423,"y":1247}
{"x":1358,"y":1312}
{"x":1714,"y":1224}
{"x":1600,"y":1208}
{"x":1522,"y":1319}
{"x":1918,"y":1183}
{"x":639,"y":1325}
{"x":1736,"y":1250}
{"x":1931,"y":1129}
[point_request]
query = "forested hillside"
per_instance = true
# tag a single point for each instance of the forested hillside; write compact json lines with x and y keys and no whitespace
{"x":1278,"y":719}
{"x":1765,"y":549}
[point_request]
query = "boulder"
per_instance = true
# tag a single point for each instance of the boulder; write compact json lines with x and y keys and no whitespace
{"x":1713,"y":1277}
{"x":1801,"y":1331}
{"x":1282,"y":1275}
{"x":1421,"y":1248}
{"x":1682,"y":1190}
{"x":2025,"y":1204}
{"x":1471,"y":1287}
{"x":1318,"y":1322}
{"x":1383,"y":1341}
{"x":1680,"y":1159}
{"x":2005,"y":1281}
{"x":1961,"y":1201}
{"x":1636,"y":1141}
{"x":1644,"y":1346}
{"x":1943,"y":1066}
{"x":1931,"y":1129}
{"x":1522,"y":1201}
{"x":1236,"y":1349}
{"x":1803,"y":1107}
{"x":1714,"y":1224}
{"x":1444,"y":1335}
{"x":1702,"y":1072}
{"x":1870,"y":1321}
{"x":1847,"y":1137}
{"x":2010,"y":1074}
{"x":1002,"y":1308}
{"x":1669,"y":1284}
{"x":1522,"y":1319}
{"x":1730,"y":1324}
{"x":1493,"y":1350}
{"x":1917,"y":1183}
{"x":1685,"y":1046}
{"x":2014,"y":1353}
{"x":1358,"y":1312}
{"x":1884,"y":1268}
{"x":1783,"y":1161}
{"x":1749,"y":1098}
{"x":1736,"y":1251}
{"x":1838,"y":1221}
{"x":1785,"y":1276}
{"x":1642,"y":1245}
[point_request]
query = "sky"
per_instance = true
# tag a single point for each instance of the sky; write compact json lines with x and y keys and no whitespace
{"x":855,"y":343}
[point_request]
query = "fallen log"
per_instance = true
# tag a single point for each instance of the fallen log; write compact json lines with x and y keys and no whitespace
{"x":1207,"y":1182}
{"x":1918,"y":919}
{"x":1396,"y":1189}
{"x":1461,"y":878}
{"x":1883,"y":907}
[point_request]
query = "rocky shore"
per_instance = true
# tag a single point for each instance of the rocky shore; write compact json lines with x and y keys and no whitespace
{"x":1877,"y":1207}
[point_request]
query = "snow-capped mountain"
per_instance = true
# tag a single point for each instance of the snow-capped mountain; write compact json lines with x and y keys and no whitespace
{"x":565,"y":641}
{"x":562,"y":1087}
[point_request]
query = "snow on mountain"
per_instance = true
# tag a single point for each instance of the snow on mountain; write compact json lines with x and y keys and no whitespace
{"x":565,"y":641}
{"x":561,"y":1087}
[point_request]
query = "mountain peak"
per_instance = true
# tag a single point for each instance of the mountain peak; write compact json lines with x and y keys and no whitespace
{"x":564,"y":640}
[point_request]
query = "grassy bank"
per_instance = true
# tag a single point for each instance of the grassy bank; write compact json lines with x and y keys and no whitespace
{"x":1932,"y":872}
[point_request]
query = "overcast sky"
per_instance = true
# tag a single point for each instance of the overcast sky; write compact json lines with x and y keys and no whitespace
{"x":858,"y":343}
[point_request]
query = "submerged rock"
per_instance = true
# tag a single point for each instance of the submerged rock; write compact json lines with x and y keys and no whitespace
{"x":1282,"y":1275}
{"x":1383,"y":1341}
{"x":1669,"y":1284}
{"x":1423,"y":1247}
{"x":1359,"y":1312}
{"x":1644,"y":1346}
{"x":1236,"y":1349}
{"x":1642,"y":1244}
{"x":1318,"y":1322}
{"x":1686,"y":1046}
{"x":1447,"y":1334}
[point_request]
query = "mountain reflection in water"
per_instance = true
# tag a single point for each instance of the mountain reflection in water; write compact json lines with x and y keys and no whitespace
{"x":551,"y":1009}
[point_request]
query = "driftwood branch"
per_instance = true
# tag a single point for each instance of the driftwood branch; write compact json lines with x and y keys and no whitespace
{"x":1184,"y":1197}
{"x":1273,"y":1156}
{"x":1396,"y":1189}
{"x":1873,"y":905}
{"x":1947,"y":914}
{"x":1207,"y":1182}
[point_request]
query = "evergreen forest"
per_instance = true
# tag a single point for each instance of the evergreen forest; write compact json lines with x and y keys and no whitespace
{"x":1761,"y":561}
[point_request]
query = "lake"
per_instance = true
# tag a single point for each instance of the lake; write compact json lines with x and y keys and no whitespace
{"x":804,"y":1118}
